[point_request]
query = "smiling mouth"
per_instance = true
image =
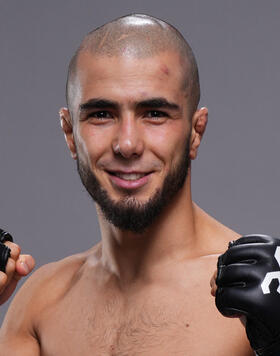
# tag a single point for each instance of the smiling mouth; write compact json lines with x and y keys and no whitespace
{"x":129,"y":181}
{"x":129,"y":176}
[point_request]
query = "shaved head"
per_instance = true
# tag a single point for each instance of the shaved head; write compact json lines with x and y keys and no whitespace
{"x":139,"y":36}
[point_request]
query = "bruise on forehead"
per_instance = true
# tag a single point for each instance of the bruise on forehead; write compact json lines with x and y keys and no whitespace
{"x":164,"y":69}
{"x":140,"y":36}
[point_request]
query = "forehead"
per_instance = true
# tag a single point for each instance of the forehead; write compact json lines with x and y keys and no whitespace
{"x":126,"y":77}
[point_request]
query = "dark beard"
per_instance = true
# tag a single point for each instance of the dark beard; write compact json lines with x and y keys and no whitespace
{"x":128,"y":213}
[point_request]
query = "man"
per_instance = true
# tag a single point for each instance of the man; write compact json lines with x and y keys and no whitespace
{"x":133,"y":125}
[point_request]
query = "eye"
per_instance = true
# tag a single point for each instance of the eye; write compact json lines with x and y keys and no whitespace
{"x":156,"y":113}
{"x":100,"y":115}
{"x":156,"y":116}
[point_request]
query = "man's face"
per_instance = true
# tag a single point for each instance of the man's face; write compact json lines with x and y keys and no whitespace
{"x":131,"y":134}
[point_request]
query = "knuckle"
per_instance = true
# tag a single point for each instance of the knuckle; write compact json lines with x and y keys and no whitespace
{"x":15,"y":249}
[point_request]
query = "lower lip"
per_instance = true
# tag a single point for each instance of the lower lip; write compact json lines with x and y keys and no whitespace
{"x":129,"y":184}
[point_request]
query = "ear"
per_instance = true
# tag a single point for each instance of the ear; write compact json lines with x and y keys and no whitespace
{"x":199,"y":123}
{"x":67,"y":128}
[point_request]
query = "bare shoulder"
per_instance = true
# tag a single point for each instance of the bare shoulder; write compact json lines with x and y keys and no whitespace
{"x":44,"y":287}
{"x":215,"y":236}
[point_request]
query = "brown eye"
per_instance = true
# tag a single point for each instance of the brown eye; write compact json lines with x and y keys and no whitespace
{"x":156,"y":117}
{"x":101,"y":115}
{"x":156,"y":114}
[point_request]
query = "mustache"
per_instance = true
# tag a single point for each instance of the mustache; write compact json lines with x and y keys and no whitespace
{"x":132,"y":166}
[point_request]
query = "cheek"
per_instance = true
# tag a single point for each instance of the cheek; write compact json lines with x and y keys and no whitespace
{"x":92,"y":142}
{"x":167,"y":142}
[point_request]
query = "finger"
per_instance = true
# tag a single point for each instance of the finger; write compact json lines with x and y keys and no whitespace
{"x":3,"y":281}
{"x":213,"y":285}
{"x":215,"y":274}
{"x":249,"y":239}
{"x":15,"y":271}
{"x":212,"y":282}
{"x":239,"y":273}
{"x":213,"y":279}
{"x":232,"y":301}
{"x":214,"y":290}
{"x":24,"y":265}
{"x":247,"y":254}
{"x":15,"y":249}
{"x":10,"y":269}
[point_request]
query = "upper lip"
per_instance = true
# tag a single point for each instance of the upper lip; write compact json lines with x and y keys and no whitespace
{"x":127,"y":172}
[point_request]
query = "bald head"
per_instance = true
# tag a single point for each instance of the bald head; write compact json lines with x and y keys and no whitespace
{"x":139,"y":36}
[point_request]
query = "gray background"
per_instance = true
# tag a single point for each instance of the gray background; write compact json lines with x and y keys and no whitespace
{"x":236,"y":176}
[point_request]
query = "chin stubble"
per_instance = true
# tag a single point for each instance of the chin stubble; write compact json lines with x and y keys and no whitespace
{"x":128,"y":213}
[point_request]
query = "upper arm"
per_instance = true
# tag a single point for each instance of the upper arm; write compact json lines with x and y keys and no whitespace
{"x":21,"y":326}
{"x":17,"y":334}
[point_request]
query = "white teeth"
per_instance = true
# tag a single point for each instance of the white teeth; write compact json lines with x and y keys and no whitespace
{"x":130,"y":176}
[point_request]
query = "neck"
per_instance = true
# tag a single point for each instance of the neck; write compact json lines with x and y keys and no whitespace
{"x":170,"y":239}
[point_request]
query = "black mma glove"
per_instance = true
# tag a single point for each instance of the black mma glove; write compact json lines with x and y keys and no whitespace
{"x":5,"y":251}
{"x":248,"y":285}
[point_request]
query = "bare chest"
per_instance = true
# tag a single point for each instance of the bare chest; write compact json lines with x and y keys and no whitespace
{"x":158,"y":321}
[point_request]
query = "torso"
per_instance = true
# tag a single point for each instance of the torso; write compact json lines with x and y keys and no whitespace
{"x":88,"y":315}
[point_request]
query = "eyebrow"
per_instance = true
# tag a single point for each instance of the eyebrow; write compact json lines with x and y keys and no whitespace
{"x":155,"y":103}
{"x":98,"y":104}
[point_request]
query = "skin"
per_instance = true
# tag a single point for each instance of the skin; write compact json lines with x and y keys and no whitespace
{"x":131,"y":294}
{"x":18,"y":266}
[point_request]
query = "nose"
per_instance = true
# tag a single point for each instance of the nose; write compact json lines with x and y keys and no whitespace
{"x":128,"y":141}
